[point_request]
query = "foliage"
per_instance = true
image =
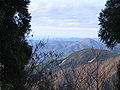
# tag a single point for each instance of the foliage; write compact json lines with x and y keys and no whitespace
{"x":14,"y":49}
{"x":110,"y":23}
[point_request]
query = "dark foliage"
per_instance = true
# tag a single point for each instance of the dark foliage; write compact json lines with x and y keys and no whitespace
{"x":14,"y":49}
{"x":110,"y":23}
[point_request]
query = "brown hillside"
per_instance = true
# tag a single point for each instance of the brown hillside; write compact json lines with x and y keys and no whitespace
{"x":88,"y":76}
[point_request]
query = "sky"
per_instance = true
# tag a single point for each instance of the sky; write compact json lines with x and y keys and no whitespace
{"x":65,"y":18}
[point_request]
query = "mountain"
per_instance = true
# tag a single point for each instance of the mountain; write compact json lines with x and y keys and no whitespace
{"x":89,"y":43}
{"x":66,"y":39}
{"x":69,"y":46}
{"x":86,"y":56}
{"x":87,"y":68}
{"x":81,"y":67}
{"x":90,"y":76}
{"x":116,"y":49}
{"x":82,"y":57}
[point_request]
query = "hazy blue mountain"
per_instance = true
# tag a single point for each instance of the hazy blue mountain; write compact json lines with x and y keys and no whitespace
{"x":116,"y":49}
{"x":66,"y":39}
{"x":69,"y":46}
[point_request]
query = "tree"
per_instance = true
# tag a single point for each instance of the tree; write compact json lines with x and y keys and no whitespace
{"x":110,"y":23}
{"x":109,"y":27}
{"x":14,"y":49}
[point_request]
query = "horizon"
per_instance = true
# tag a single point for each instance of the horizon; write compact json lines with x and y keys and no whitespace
{"x":65,"y":18}
{"x":62,"y":38}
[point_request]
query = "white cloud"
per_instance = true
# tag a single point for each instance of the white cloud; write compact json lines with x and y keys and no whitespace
{"x":48,"y":17}
{"x":67,"y":32}
{"x":63,"y":6}
{"x":44,"y":17}
{"x":41,"y":7}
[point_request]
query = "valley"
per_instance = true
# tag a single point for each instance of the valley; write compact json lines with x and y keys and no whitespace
{"x":85,"y":64}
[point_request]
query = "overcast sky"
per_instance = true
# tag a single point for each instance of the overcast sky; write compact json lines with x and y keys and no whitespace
{"x":65,"y":18}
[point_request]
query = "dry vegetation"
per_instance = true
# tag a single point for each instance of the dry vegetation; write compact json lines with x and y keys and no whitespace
{"x":92,"y":76}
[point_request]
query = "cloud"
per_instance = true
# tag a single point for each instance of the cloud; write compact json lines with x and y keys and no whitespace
{"x":66,"y":32}
{"x":40,"y":7}
{"x":79,"y":15}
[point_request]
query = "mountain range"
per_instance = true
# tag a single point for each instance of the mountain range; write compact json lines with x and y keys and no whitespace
{"x":70,"y":45}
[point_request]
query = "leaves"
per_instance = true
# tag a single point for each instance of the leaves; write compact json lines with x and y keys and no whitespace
{"x":110,"y":23}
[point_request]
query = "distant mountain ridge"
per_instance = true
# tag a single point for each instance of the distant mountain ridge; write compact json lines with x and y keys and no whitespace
{"x":70,"y":46}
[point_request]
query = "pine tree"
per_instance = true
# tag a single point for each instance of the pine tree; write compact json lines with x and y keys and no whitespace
{"x":14,"y":49}
{"x":110,"y":23}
